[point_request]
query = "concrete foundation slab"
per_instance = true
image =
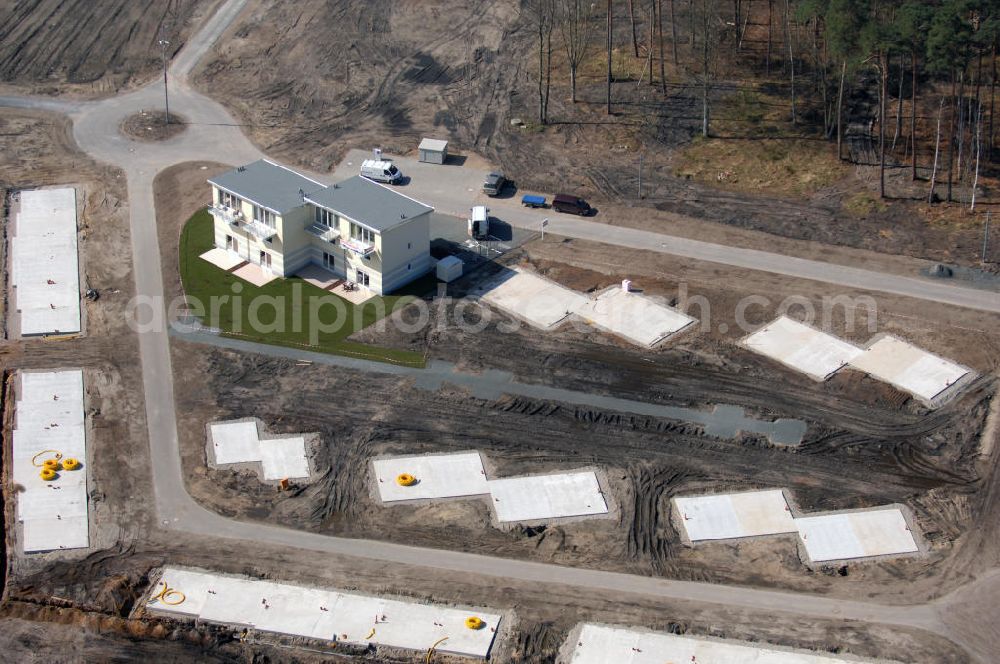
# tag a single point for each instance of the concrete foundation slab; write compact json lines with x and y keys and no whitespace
{"x":282,"y":458}
{"x":241,"y":441}
{"x":909,"y":368}
{"x":862,"y":534}
{"x":530,"y":297}
{"x":601,"y":644}
{"x":323,"y":614}
{"x":222,"y":259}
{"x":729,"y":516}
{"x":45,"y":262}
{"x":49,"y":420}
{"x":436,"y":476}
{"x":235,"y":442}
{"x":544,"y":497}
{"x":634,"y":317}
{"x":802,"y":348}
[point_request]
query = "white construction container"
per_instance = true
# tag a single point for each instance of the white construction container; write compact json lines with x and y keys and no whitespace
{"x":433,"y":151}
{"x":449,"y":268}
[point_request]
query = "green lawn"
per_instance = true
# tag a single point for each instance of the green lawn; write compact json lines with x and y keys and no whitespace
{"x":285,"y":312}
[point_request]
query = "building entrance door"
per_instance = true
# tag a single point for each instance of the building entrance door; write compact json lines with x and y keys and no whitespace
{"x":265,"y":259}
{"x":362,"y":278}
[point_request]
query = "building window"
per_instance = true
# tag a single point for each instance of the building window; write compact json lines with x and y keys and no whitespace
{"x":407,"y":266}
{"x":361,"y":233}
{"x":408,"y":245}
{"x":328,"y":261}
{"x":263,"y":216}
{"x":325,"y":217}
{"x":229,"y":200}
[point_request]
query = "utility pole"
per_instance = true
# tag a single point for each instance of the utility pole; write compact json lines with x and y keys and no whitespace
{"x":166,"y":96}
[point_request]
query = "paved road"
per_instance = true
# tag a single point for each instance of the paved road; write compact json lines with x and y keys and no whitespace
{"x":454,"y":189}
{"x":213,"y":135}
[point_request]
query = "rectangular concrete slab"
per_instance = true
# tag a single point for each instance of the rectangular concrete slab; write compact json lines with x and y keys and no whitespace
{"x":633,"y":317}
{"x":603,"y":644}
{"x":437,"y":476}
{"x":547,"y":497}
{"x":802,"y":348}
{"x":848,"y":535}
{"x":235,"y":442}
{"x":530,"y":297}
{"x":49,"y":420}
{"x":908,"y":367}
{"x":322,"y":614}
{"x":45,"y":262}
{"x":222,"y":259}
{"x":284,"y":458}
{"x":728,"y":516}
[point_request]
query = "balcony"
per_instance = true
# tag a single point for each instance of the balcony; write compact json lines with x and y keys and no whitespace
{"x":323,"y":232}
{"x":359,"y":247}
{"x":235,"y":219}
{"x":226,"y":214}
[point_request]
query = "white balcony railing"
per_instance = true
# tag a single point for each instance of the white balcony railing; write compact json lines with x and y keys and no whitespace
{"x":235,"y":219}
{"x":227,"y":214}
{"x":359,"y":247}
{"x":323,"y":232}
{"x":257,"y":229}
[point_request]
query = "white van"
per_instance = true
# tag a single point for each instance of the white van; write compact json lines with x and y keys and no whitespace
{"x":380,"y":170}
{"x":479,"y":222}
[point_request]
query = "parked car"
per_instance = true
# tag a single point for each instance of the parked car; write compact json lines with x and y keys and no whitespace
{"x":571,"y":205}
{"x":494,"y":184}
{"x":380,"y":170}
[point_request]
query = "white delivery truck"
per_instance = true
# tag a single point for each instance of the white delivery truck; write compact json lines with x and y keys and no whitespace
{"x":380,"y":170}
{"x":479,"y":222}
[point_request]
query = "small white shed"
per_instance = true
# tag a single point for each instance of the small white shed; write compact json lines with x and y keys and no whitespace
{"x":433,"y":150}
{"x":449,"y":268}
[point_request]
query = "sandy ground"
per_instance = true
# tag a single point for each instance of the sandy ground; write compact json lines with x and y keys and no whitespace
{"x":106,"y":583}
{"x":90,"y":49}
{"x":463,"y":71}
{"x":867,"y":443}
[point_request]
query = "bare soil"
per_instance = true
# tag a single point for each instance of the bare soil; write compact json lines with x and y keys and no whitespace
{"x":149,"y":126}
{"x":90,"y":48}
{"x":867,"y":443}
{"x":363,"y":75}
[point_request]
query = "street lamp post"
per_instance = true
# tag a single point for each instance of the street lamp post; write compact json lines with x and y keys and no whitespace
{"x":166,"y":96}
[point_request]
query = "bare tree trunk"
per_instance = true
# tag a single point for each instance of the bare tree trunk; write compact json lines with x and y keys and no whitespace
{"x":704,"y":72}
{"x":673,"y":37}
{"x":840,"y":111}
{"x":649,"y":41}
{"x":610,"y":42}
{"x":746,"y":22}
{"x":937,"y":150}
{"x":631,"y":17}
{"x":770,"y":22}
{"x":961,"y":122}
{"x":951,"y":134}
{"x":993,"y":89}
{"x":736,"y":25}
{"x":548,"y":67}
{"x":899,"y":105}
{"x":659,"y":31}
{"x":913,"y":114}
{"x":691,"y":28}
{"x":791,"y":57}
{"x":884,"y":66}
{"x":975,"y":178}
{"x":541,"y":73}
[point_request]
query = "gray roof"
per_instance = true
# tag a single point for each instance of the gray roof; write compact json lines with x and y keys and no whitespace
{"x":267,"y":184}
{"x":368,"y":203}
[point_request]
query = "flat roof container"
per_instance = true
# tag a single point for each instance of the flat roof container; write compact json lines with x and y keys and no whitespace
{"x":433,"y":151}
{"x":449,"y":268}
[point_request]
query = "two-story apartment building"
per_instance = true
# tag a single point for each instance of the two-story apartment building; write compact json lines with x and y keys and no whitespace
{"x":357,"y":229}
